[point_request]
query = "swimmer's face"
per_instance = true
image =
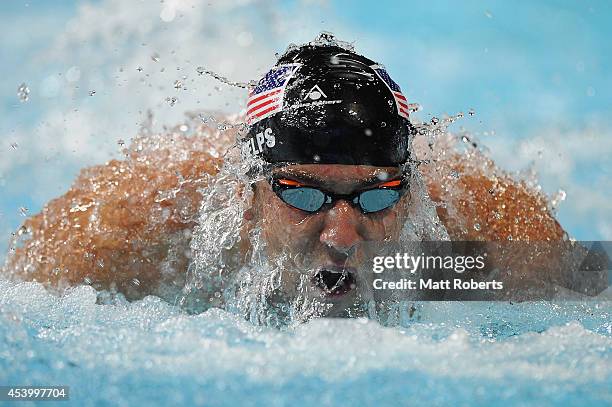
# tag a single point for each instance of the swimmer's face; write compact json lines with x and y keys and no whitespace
{"x":323,"y":248}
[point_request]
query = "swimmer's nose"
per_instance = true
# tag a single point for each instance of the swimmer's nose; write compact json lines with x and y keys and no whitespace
{"x":341,"y":230}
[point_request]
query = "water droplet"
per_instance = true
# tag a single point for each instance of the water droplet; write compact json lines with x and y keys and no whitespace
{"x":14,"y":146}
{"x":316,"y":158}
{"x":178,"y":84}
{"x":136,"y":282}
{"x":383,"y":124}
{"x":465,"y":139}
{"x":183,"y":128}
{"x":334,"y":60}
{"x":367,"y":132}
{"x":414,"y":107}
{"x":435,"y":120}
{"x":92,"y":92}
{"x":561,"y":195}
{"x":171,"y":100}
{"x":558,"y":197}
{"x":488,"y":14}
{"x":477,"y":226}
{"x":509,"y":237}
{"x":471,"y":112}
{"x":454,"y":174}
{"x":22,"y":231}
{"x":87,"y":280}
{"x":168,"y":13}
{"x":200,"y":70}
{"x":121,"y":142}
{"x":155,"y":57}
{"x":23,"y":92}
{"x":383,"y":175}
{"x":23,"y":211}
{"x":139,"y":69}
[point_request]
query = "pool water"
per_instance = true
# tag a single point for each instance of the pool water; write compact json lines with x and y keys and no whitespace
{"x":149,"y":352}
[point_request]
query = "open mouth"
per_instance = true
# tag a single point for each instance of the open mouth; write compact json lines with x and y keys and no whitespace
{"x":334,"y":282}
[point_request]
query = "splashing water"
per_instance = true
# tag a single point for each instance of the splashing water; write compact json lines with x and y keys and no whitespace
{"x":23,"y":92}
{"x":193,"y":189}
{"x":201,"y":71}
{"x":458,"y":354}
{"x":451,"y":353}
{"x":256,"y":287}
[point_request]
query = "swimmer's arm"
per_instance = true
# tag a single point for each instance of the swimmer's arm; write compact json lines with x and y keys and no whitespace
{"x":122,"y":226}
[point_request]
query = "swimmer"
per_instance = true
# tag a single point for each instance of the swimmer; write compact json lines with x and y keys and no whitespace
{"x":335,"y":142}
{"x":336,"y":150}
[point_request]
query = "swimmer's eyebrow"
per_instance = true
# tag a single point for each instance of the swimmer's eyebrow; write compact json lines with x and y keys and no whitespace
{"x":314,"y":180}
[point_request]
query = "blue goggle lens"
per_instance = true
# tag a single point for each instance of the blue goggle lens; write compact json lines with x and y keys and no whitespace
{"x":306,"y":199}
{"x":376,"y":200}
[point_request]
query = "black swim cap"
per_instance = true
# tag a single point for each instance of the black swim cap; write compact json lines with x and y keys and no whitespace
{"x":323,"y":104}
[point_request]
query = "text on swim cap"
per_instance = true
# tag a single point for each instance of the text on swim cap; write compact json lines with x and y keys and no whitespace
{"x":257,"y":143}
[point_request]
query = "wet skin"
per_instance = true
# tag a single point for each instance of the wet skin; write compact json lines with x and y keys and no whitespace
{"x":126,"y":241}
{"x":328,"y":239}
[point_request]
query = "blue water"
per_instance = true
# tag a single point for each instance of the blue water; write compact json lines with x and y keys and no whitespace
{"x":151,"y":353}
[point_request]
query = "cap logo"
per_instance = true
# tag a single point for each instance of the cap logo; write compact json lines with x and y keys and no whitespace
{"x":315,"y":93}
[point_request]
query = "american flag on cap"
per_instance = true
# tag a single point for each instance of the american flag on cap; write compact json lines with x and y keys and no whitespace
{"x":400,"y":99}
{"x":266,"y":98}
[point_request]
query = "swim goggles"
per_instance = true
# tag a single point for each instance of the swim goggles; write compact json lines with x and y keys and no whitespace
{"x":312,"y":199}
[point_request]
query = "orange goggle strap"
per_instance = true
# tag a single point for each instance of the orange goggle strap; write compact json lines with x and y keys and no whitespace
{"x":292,"y":183}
